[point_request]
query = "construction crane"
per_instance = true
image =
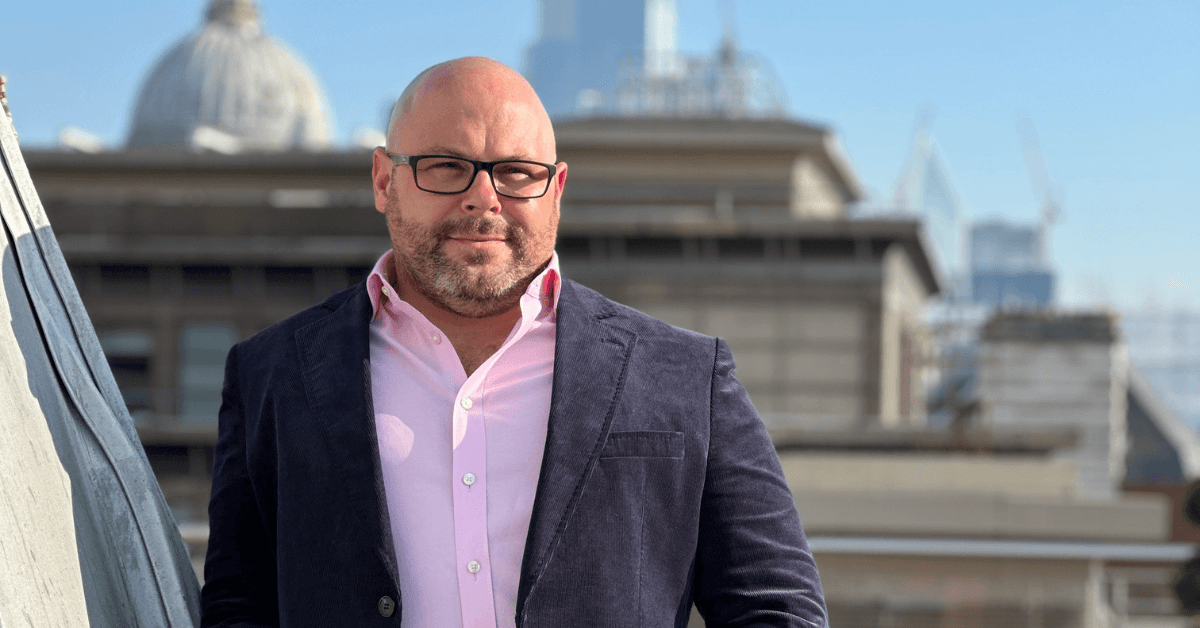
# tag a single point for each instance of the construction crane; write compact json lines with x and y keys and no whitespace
{"x":1039,"y":180}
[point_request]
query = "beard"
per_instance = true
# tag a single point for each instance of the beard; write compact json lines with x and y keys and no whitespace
{"x":478,"y":284}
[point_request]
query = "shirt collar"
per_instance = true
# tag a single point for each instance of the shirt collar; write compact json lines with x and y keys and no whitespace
{"x":545,"y":288}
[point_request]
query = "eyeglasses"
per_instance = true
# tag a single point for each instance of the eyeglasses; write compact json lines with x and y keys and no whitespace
{"x":445,"y":174}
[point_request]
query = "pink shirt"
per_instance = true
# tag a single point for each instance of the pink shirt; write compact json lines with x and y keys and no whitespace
{"x":460,"y":455}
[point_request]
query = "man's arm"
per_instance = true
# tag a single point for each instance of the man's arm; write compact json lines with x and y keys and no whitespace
{"x":239,"y":573}
{"x":753,"y":566}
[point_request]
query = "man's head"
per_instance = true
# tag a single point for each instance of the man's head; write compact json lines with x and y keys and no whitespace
{"x":471,"y":253}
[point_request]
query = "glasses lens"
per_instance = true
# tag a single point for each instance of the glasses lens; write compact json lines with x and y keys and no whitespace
{"x":521,"y":179}
{"x":443,"y":174}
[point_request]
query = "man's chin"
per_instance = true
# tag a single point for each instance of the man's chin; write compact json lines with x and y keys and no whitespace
{"x":477,"y":291}
{"x":492,"y":255}
{"x":479,"y":301}
{"x":473,"y":284}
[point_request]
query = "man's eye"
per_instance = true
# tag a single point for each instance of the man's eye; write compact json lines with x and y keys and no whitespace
{"x":447,"y":165}
{"x":514,"y":170}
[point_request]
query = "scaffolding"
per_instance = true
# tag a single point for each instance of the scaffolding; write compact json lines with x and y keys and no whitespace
{"x":730,"y":84}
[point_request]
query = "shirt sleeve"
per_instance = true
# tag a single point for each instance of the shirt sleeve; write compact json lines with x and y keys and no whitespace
{"x":753,"y":565}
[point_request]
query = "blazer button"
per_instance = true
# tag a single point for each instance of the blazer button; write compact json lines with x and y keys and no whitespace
{"x":386,"y":606}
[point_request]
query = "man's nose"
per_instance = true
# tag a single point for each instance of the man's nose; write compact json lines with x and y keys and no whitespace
{"x":482,"y":193}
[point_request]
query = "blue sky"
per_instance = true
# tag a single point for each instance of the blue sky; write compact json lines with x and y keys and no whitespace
{"x":1112,"y":87}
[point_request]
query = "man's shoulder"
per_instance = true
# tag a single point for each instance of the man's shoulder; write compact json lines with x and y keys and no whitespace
{"x":645,"y":326}
{"x":347,"y":302}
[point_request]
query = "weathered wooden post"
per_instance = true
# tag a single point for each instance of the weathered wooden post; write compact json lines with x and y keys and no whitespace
{"x":86,"y":537}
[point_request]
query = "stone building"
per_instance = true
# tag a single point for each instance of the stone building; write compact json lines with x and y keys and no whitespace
{"x":738,"y":229}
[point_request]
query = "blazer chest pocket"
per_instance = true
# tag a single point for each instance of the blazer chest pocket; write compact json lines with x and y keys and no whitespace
{"x":643,"y":445}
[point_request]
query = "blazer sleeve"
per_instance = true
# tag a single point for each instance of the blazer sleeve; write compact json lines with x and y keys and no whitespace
{"x":239,"y":572}
{"x":753,"y":565}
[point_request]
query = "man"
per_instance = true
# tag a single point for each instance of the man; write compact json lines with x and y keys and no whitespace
{"x":467,"y":439}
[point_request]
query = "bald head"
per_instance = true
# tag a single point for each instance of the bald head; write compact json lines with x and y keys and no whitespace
{"x":474,"y":252}
{"x":468,"y":82}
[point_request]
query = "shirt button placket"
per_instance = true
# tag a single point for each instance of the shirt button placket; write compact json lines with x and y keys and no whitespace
{"x":470,"y":512}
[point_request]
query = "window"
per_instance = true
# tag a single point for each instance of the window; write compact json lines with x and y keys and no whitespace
{"x":129,"y":354}
{"x":202,"y":370}
{"x":125,"y":278}
{"x":294,"y":282}
{"x":207,"y":279}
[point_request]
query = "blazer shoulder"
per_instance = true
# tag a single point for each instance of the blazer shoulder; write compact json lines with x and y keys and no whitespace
{"x":645,"y":326}
{"x":352,"y":301}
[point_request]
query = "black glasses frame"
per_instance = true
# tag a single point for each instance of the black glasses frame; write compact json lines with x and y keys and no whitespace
{"x":486,"y":166}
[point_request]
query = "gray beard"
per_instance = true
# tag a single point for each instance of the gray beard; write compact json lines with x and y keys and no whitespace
{"x":464,"y":287}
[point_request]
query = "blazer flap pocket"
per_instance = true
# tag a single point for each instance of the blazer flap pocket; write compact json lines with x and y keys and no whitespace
{"x":643,"y":445}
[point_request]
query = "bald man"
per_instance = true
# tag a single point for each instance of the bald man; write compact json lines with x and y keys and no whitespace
{"x":467,"y":438}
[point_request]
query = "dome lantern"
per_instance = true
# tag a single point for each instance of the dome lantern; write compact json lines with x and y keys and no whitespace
{"x":236,"y":13}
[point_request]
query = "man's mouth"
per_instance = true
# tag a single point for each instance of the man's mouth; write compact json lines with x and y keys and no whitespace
{"x":474,"y":243}
{"x":478,"y":238}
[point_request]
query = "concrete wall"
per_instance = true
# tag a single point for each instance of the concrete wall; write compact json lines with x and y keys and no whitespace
{"x":958,"y":473}
{"x":947,"y":513}
{"x":802,"y":161}
{"x":1057,"y":383}
{"x":970,"y":496}
{"x":801,"y":353}
{"x":906,"y":346}
{"x":85,"y":534}
{"x":665,"y":165}
{"x":795,"y":357}
{"x":813,"y":193}
{"x":40,"y":579}
{"x":870,"y":591}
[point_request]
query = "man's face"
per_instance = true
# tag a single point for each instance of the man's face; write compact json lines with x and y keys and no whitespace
{"x":472,"y":253}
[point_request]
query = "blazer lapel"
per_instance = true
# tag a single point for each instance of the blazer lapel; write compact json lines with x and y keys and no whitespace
{"x":336,"y":370}
{"x":590,"y":362}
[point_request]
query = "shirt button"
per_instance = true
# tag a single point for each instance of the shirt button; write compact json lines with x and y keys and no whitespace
{"x":469,"y":479}
{"x":466,"y":403}
{"x":386,"y":606}
{"x":473,"y":567}
{"x":437,"y":340}
{"x":385,"y":290}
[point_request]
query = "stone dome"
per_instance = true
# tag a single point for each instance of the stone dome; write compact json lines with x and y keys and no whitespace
{"x":230,"y":81}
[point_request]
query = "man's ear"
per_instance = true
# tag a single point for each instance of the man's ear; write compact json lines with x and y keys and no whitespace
{"x":560,"y":178}
{"x":381,"y":178}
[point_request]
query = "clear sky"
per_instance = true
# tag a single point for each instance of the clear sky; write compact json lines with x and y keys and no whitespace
{"x":1113,"y":89}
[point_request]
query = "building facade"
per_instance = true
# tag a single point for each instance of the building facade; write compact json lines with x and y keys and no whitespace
{"x":179,"y":254}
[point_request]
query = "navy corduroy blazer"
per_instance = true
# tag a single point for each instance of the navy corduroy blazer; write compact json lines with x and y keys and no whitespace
{"x":658,"y":486}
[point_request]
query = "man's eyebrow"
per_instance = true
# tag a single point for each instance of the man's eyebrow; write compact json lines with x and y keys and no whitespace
{"x":442,"y":150}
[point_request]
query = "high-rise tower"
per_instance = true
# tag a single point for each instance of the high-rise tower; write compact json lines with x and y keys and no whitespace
{"x":578,"y":57}
{"x":620,"y":59}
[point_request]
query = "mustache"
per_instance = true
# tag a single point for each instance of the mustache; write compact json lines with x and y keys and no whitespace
{"x":477,"y":225}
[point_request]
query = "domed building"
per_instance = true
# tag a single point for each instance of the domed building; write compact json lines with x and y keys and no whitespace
{"x":229,"y":87}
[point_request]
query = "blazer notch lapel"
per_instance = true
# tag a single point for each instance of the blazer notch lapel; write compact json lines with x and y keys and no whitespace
{"x":335,"y":367}
{"x":590,"y":367}
{"x":334,"y":357}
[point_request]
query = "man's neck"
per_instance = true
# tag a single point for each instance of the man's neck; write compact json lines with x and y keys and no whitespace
{"x":474,"y":339}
